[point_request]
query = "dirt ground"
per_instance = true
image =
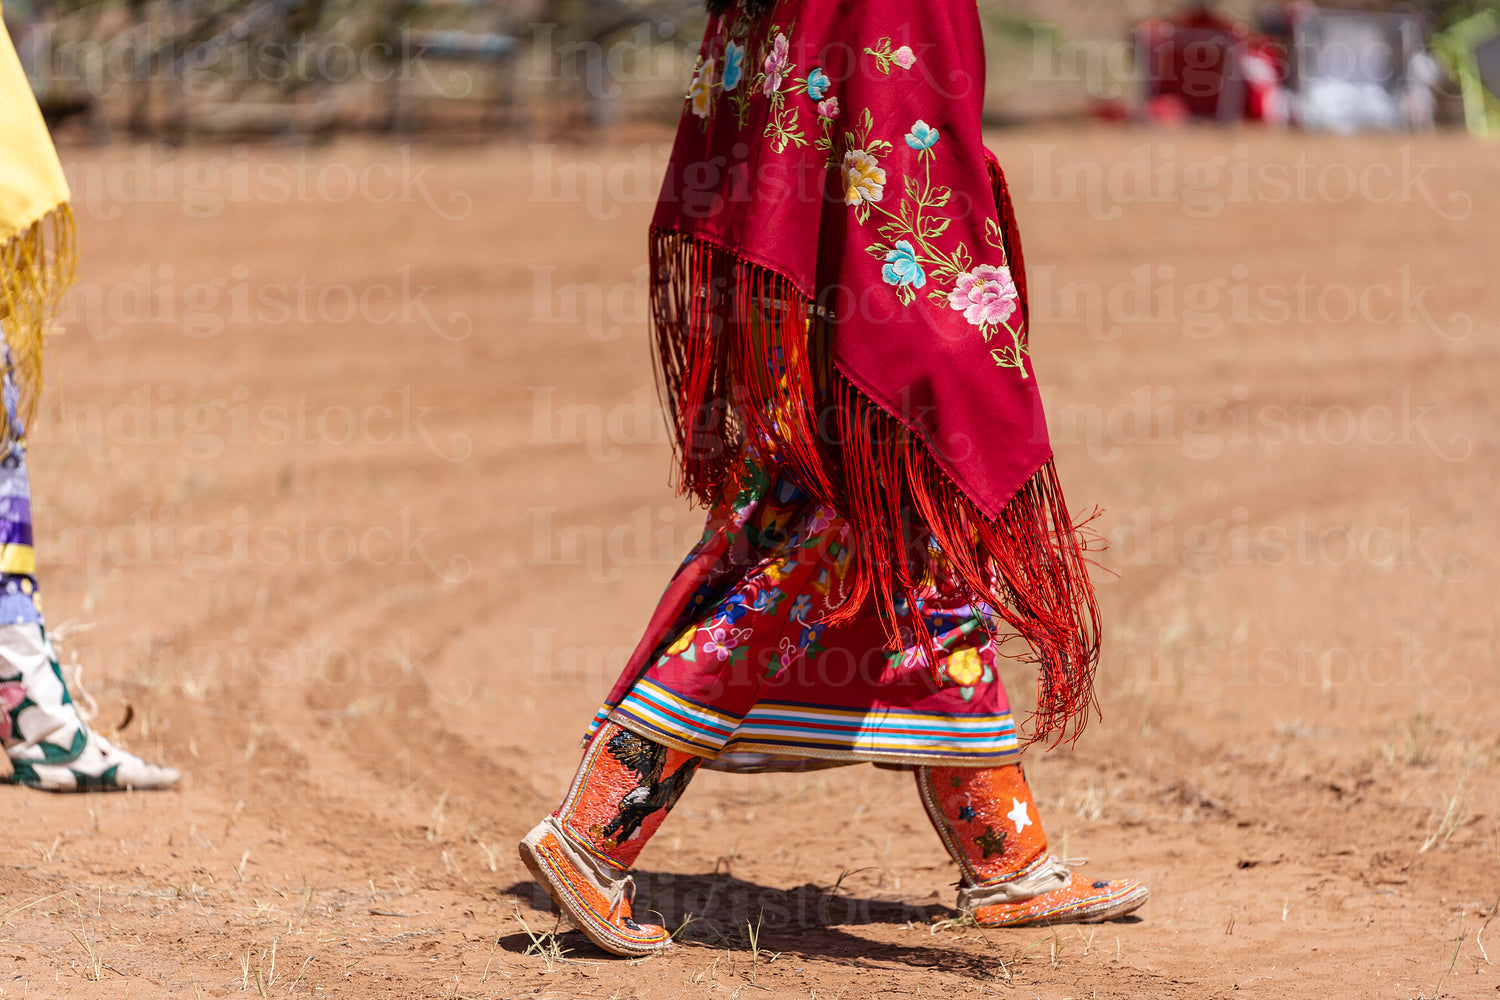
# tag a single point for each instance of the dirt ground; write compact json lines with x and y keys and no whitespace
{"x":350,"y":485}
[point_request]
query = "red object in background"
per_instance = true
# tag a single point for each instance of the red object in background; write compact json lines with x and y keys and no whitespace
{"x":1167,"y":109}
{"x":1264,"y":66}
{"x":1201,"y":65}
{"x":1109,"y":111}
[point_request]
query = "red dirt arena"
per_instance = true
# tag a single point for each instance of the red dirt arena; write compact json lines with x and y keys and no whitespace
{"x":352,"y":489}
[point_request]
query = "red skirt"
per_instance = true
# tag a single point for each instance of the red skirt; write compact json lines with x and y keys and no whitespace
{"x":738,"y":666}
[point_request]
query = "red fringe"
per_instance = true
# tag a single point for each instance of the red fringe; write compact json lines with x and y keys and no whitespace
{"x":716,"y":318}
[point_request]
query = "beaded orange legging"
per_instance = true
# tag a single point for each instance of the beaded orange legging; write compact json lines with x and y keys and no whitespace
{"x":627,"y":784}
{"x":623,"y":790}
{"x":986,"y":818}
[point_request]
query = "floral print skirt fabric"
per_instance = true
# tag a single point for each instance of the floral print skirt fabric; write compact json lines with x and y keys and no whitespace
{"x":750,"y":677}
{"x":20,"y":604}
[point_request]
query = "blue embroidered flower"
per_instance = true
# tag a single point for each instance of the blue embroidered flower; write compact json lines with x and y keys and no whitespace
{"x":733,"y":609}
{"x":810,"y":634}
{"x":922,"y":136}
{"x":734,"y":65}
{"x":801,"y":607}
{"x":768,"y":600}
{"x":818,"y":84}
{"x":901,"y":267}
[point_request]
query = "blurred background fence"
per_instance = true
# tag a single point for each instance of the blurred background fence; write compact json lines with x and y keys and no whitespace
{"x":526,"y":69}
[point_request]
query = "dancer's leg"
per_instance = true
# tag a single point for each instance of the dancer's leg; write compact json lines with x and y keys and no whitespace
{"x":988,"y":821}
{"x":47,"y":741}
{"x":582,"y":853}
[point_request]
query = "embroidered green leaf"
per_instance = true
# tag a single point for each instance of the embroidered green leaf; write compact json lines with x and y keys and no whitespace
{"x":782,"y":129}
{"x":962,"y":259}
{"x":884,"y":57}
{"x":1013,"y":356}
{"x":992,"y":233}
{"x":739,"y":103}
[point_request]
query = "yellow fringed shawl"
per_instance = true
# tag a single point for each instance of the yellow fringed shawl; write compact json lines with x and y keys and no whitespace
{"x":36,"y":231}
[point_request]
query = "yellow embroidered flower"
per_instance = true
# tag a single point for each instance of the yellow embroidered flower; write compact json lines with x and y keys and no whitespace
{"x":965,"y":667}
{"x":683,"y":641}
{"x":701,"y":92}
{"x":864,"y":178}
{"x":776,"y":572}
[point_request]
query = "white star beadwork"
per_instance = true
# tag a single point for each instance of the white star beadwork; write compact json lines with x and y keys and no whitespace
{"x":1018,"y":815}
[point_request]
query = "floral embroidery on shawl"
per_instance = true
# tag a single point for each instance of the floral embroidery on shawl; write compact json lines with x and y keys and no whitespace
{"x":911,"y":251}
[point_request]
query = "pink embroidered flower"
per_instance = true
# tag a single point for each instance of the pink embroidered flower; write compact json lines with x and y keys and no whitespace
{"x":829,"y":109}
{"x":776,"y":64}
{"x":720,"y":644}
{"x":12,"y":693}
{"x":820,"y":520}
{"x":904,"y":57}
{"x":986,"y":295}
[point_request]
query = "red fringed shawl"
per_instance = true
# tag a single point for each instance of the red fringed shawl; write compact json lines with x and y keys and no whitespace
{"x":830,"y":205}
